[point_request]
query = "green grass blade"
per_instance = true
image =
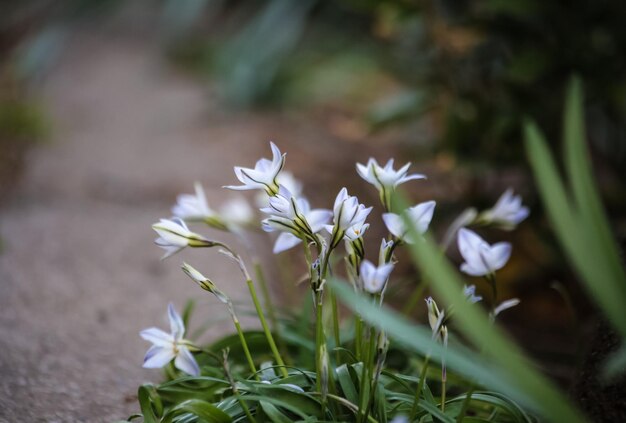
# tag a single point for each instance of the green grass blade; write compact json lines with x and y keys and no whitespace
{"x":509,"y":374}
{"x":571,"y":230}
{"x":595,"y":224}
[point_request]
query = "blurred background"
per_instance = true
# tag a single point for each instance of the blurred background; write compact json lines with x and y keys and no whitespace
{"x":109,"y":109}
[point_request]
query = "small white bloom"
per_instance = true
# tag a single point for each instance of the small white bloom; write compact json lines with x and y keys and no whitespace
{"x":420,"y":215}
{"x":236,"y":213}
{"x":169,"y":346}
{"x":434,"y":315}
{"x":470,"y":294}
{"x":505,"y":305}
{"x":507,"y":212}
{"x":174,"y":235}
{"x":193,"y":207}
{"x":374,"y":278}
{"x":204,"y":283}
{"x":481,"y":258}
{"x":263,"y":176}
{"x":386,"y":250}
{"x":294,"y":217}
{"x":348,"y":218}
{"x":385,"y":179}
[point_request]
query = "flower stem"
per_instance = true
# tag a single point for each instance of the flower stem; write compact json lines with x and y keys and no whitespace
{"x":266,"y":329}
{"x":335,"y":310}
{"x":320,"y":341}
{"x":358,"y":336}
{"x":269,"y":306}
{"x":233,"y":385}
{"x":244,"y":344}
{"x":420,"y":388}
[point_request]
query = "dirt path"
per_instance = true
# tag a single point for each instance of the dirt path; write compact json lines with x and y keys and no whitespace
{"x":79,"y":275}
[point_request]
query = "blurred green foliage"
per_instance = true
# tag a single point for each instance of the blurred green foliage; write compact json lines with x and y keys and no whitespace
{"x":477,"y":68}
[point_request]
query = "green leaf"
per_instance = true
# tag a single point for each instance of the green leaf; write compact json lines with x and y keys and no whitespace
{"x":199,"y":408}
{"x":150,"y":403}
{"x":601,"y":249}
{"x":274,"y":413}
{"x":509,"y":373}
{"x":347,"y":385}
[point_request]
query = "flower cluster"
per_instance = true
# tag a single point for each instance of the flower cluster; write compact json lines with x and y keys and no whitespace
{"x":321,"y":230}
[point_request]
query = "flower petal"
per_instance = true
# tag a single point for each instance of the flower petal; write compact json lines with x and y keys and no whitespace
{"x":157,"y":357}
{"x":498,"y":255}
{"x":285,"y":241}
{"x":185,"y":362}
{"x":176,"y":322}
{"x":157,"y":336}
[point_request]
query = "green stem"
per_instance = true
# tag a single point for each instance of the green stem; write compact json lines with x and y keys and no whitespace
{"x":335,"y":310}
{"x":266,"y":329}
{"x":269,"y":306}
{"x":491,"y":278}
{"x":370,"y":370}
{"x":320,"y":340}
{"x":362,"y":393}
{"x":465,"y":405}
{"x":358,"y":336}
{"x":420,"y":388}
{"x":244,"y":344}
{"x":443,"y":395}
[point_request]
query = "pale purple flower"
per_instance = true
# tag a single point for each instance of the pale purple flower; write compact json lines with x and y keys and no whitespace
{"x":470,"y":294}
{"x":507,"y":212}
{"x":420,"y":215}
{"x":169,"y":346}
{"x":374,"y":278}
{"x":481,"y":259}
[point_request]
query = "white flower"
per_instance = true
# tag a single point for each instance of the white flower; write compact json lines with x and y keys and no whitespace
{"x":385,"y":179}
{"x":433,"y":313}
{"x":470,"y":294}
{"x":505,"y":305}
{"x":507,"y":212}
{"x":174,"y":235}
{"x":285,"y":179}
{"x":204,"y":283}
{"x":236,"y":213}
{"x":348,"y":218}
{"x":193,"y":207}
{"x":263,"y":176}
{"x":168,"y":346}
{"x":420,"y":215}
{"x":386,"y":250}
{"x":294,"y":218}
{"x":374,"y":278}
{"x":481,"y":258}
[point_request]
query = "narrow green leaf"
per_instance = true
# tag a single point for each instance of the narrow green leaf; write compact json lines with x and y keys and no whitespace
{"x":598,"y":237}
{"x":346,"y":383}
{"x":520,"y":381}
{"x":576,"y":238}
{"x":199,"y":408}
{"x":273,"y":413}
